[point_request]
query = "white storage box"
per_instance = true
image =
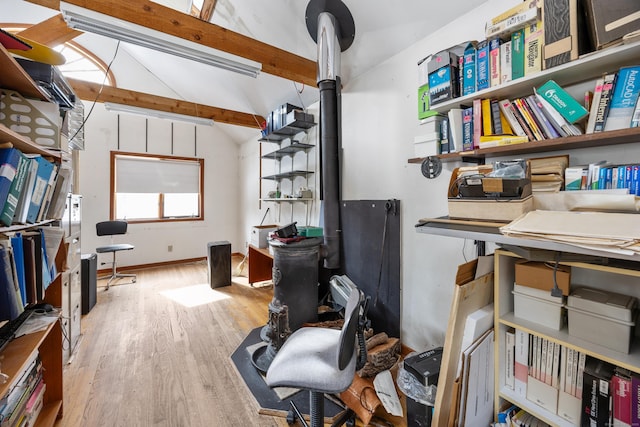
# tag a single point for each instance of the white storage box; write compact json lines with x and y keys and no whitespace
{"x":259,"y":235}
{"x":537,"y":305}
{"x":36,"y":120}
{"x":602,"y":317}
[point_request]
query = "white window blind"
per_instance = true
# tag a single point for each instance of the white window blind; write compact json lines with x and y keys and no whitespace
{"x":149,"y":175}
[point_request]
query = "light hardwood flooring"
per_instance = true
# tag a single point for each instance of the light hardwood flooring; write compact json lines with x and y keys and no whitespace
{"x":157,"y":353}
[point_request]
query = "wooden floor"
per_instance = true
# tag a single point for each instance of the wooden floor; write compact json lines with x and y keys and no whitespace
{"x":157,"y":353}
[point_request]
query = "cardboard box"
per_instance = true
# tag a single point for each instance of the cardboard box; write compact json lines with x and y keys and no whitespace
{"x":259,"y":235}
{"x":602,"y":317}
{"x":539,"y":275}
{"x":443,"y":77}
{"x":609,"y":20}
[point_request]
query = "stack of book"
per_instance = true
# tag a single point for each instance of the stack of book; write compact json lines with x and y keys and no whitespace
{"x":547,"y":173}
{"x":603,"y":175}
{"x":615,"y":101}
{"x":25,"y":398}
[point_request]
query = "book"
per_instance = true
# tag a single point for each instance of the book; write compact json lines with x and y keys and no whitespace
{"x":521,"y":362}
{"x":494,"y":61}
{"x":517,"y":54}
{"x":555,"y":368}
{"x":621,"y":391}
{"x":635,"y":399}
{"x":596,"y":393}
{"x":467,"y":129}
{"x":533,"y":41}
{"x":595,"y":101}
{"x":18,"y":259}
{"x":512,"y":23}
{"x":505,"y":62}
{"x":9,"y":208}
{"x":509,"y":113}
{"x":9,"y":160}
{"x":469,"y":69}
{"x":602,"y":110}
{"x":523,"y":123}
{"x":9,"y":307}
{"x":573,"y":178}
{"x":477,"y":121}
{"x":509,"y":343}
{"x":45,"y":169}
{"x":521,"y":7}
{"x":445,"y":136}
{"x":22,"y":207}
{"x":487,"y":120}
{"x":624,"y":98}
{"x":500,"y":140}
{"x":555,"y":118}
{"x":528,"y":118}
{"x":482,"y":65}
{"x":499,"y":124}
{"x":455,"y":129}
{"x":635,"y":117}
{"x":560,"y":23}
{"x":569,"y":108}
{"x":547,"y":128}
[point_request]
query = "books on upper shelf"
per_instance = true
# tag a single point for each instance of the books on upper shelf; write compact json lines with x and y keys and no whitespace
{"x":624,"y":98}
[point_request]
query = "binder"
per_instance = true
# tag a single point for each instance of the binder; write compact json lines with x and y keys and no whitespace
{"x":18,"y":255}
{"x":45,"y":168}
{"x":22,"y":207}
{"x":9,"y":161}
{"x":6,"y":216}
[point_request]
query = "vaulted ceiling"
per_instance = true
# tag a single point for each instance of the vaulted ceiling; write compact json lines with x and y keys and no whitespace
{"x":271,"y":32}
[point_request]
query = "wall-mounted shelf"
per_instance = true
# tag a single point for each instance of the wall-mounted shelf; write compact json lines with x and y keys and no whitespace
{"x":287,"y":131}
{"x":600,"y":139}
{"x":288,"y":199}
{"x":287,"y":175}
{"x":289,"y":150}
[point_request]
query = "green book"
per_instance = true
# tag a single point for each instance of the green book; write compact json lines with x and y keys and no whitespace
{"x":6,"y":216}
{"x":569,"y":108}
{"x":517,"y":54}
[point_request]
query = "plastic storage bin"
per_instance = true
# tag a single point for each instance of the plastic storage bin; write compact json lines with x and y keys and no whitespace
{"x":536,"y":305}
{"x":602,"y":317}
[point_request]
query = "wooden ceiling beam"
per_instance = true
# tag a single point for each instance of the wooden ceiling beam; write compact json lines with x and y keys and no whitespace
{"x":91,"y":91}
{"x":157,"y":17}
{"x":208,"y":6}
{"x":51,"y":32}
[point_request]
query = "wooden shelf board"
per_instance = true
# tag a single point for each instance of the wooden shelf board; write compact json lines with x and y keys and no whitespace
{"x":23,"y":144}
{"x":15,"y":78}
{"x":529,"y":406}
{"x":629,"y":361}
{"x":49,"y":414}
{"x":600,"y":139}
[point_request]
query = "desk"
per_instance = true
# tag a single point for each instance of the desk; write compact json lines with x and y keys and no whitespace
{"x":260,"y":264}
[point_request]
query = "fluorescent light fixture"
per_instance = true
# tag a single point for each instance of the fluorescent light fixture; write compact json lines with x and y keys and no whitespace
{"x":90,"y":21}
{"x":129,"y":109}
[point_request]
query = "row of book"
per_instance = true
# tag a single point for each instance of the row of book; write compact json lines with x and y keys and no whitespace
{"x":513,"y":416}
{"x":579,"y":388}
{"x":32,"y":188}
{"x":22,"y":404}
{"x":550,"y":112}
{"x":27,"y":268}
{"x":603,"y":175}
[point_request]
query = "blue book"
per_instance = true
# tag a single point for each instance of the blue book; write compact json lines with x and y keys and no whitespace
{"x":623,"y":100}
{"x":18,"y":255}
{"x":467,"y":129}
{"x":45,"y":169}
{"x":635,"y":180}
{"x":621,"y":174}
{"x":469,"y":69}
{"x":482,"y":65}
{"x":9,"y":307}
{"x":628,"y":174}
{"x":9,"y":161}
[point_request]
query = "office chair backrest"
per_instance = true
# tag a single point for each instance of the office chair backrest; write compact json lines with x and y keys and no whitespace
{"x":349,"y":329}
{"x":107,"y":228}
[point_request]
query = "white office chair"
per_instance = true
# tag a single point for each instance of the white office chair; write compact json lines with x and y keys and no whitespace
{"x":110,"y":228}
{"x":321,"y":360}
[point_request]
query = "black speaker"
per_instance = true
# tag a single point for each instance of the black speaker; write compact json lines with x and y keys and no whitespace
{"x":89,"y":281}
{"x":219,"y":261}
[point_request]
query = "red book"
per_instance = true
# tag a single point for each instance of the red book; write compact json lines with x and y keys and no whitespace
{"x":621,"y":390}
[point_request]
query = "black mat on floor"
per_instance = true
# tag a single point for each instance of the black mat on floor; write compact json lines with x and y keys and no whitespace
{"x":265,"y":397}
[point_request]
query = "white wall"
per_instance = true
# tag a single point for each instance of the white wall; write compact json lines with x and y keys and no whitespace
{"x":189,"y":239}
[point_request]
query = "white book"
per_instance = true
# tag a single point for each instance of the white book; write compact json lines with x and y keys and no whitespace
{"x":580,"y":373}
{"x":563,"y":367}
{"x":455,"y":130}
{"x":510,"y":343}
{"x":535,"y":364}
{"x":556,"y":365}
{"x":597,"y":94}
{"x":521,"y":362}
{"x":543,"y":360}
{"x":505,"y":62}
{"x":549,"y":368}
{"x":569,"y":372}
{"x":574,"y":375}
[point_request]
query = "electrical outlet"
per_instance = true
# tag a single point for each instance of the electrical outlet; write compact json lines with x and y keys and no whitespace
{"x":170,"y":248}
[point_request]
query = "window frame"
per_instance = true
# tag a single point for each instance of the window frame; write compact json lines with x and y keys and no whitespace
{"x":112,"y":188}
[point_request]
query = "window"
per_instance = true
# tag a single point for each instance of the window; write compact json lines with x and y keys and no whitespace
{"x":148,"y":188}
